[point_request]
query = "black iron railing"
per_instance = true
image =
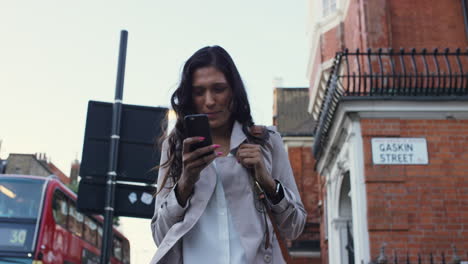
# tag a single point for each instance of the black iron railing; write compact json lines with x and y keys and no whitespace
{"x":428,"y":258}
{"x":327,"y":111}
{"x":405,"y":73}
{"x":389,"y":74}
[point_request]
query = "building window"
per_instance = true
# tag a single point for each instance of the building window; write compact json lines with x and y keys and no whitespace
{"x":329,"y":6}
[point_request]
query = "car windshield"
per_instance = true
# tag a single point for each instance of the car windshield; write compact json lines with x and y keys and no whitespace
{"x":20,"y":197}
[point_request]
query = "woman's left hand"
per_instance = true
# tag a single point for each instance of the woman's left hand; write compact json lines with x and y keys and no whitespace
{"x":251,"y":156}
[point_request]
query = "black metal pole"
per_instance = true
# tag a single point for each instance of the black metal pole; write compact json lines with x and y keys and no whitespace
{"x":107,"y":238}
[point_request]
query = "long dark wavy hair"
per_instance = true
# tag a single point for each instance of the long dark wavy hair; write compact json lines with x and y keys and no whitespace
{"x":182,"y":103}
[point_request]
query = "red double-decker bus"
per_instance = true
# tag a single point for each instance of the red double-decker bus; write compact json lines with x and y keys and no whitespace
{"x":39,"y":224}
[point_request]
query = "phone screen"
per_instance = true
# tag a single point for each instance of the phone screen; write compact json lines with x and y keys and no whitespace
{"x":198,"y":126}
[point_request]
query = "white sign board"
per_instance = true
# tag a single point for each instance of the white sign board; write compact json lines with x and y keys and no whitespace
{"x":402,"y":151}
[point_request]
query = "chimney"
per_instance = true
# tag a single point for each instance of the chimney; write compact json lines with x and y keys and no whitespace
{"x":275,"y":106}
{"x":41,"y":156}
{"x":74,"y":171}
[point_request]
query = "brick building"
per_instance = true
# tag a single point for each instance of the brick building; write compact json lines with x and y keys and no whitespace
{"x":33,"y":164}
{"x":295,"y":124}
{"x":389,"y":91}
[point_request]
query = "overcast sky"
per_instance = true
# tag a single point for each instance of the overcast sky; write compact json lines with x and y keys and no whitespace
{"x":55,"y":56}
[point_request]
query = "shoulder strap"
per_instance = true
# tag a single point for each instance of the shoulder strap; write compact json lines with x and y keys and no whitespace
{"x":263,"y":132}
{"x":259,"y":132}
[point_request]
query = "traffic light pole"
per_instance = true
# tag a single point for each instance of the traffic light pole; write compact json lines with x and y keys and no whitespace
{"x":107,"y":238}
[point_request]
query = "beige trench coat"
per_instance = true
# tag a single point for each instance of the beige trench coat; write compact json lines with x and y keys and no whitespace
{"x":171,"y":221}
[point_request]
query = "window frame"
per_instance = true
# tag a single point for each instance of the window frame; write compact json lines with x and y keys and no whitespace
{"x":329,"y":7}
{"x":71,"y":203}
{"x":58,"y":192}
{"x":120,"y":241}
{"x":76,"y":219}
{"x":126,"y":252}
{"x":95,"y":230}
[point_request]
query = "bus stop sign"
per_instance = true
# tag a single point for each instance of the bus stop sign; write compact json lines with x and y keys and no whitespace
{"x":130,"y":200}
{"x":140,"y":129}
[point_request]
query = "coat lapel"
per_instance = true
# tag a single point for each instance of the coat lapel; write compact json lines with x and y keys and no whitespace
{"x":204,"y":188}
{"x":237,"y":137}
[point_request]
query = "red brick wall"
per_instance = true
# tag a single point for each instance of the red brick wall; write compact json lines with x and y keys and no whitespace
{"x":330,"y":43}
{"x":378,"y":24}
{"x":414,"y":24}
{"x":303,"y":164}
{"x":354,"y":23}
{"x":315,"y":66}
{"x":423,"y":204}
{"x":427,"y":24}
{"x":395,"y":24}
{"x":419,"y":208}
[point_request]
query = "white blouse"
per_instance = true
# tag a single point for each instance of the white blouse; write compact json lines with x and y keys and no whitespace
{"x":214,"y":239}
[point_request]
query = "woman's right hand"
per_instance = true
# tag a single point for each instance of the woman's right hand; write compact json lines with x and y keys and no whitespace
{"x":192,"y":164}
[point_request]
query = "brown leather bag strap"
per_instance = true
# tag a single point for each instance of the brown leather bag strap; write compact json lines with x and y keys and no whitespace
{"x":262,"y":132}
{"x":259,"y":132}
{"x":282,"y":242}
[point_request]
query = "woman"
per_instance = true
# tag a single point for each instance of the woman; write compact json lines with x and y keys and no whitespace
{"x":210,"y":207}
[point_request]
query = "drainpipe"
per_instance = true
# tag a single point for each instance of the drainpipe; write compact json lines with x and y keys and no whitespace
{"x":465,"y":15}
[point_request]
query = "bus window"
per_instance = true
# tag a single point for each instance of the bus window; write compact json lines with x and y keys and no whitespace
{"x":20,"y":198}
{"x":117,"y":248}
{"x":75,"y":221}
{"x":60,"y":209}
{"x":89,"y":257}
{"x":99,"y":236}
{"x":90,"y":230}
{"x":126,"y":252}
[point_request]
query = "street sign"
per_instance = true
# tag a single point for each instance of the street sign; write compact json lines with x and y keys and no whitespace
{"x":140,"y":128}
{"x":130,"y":200}
{"x":399,"y":151}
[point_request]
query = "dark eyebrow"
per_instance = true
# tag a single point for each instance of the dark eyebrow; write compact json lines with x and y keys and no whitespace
{"x":221,"y":84}
{"x":214,"y":84}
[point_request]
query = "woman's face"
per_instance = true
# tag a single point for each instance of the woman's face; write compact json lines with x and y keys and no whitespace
{"x":212,"y":95}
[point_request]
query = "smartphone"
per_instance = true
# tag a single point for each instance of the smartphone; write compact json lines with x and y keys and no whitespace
{"x":198,"y":126}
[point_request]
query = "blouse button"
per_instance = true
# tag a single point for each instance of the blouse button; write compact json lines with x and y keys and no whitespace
{"x":267,"y":258}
